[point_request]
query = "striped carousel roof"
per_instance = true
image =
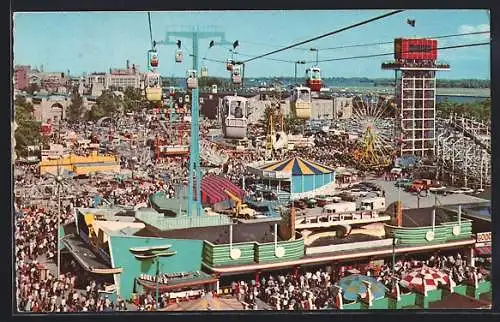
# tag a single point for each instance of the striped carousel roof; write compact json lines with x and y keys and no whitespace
{"x":298,"y":166}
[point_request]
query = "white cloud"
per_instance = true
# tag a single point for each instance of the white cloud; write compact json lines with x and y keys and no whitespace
{"x":469,"y":29}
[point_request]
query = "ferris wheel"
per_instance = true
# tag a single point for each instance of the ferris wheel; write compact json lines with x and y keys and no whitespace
{"x":375,"y":112}
{"x":373,"y":121}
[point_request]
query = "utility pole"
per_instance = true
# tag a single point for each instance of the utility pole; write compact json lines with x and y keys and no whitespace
{"x":296,"y":63}
{"x":195,"y":34}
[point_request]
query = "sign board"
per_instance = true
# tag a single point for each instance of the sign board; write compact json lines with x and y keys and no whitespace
{"x":483,"y":237}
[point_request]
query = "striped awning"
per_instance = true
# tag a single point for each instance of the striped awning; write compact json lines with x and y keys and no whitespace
{"x":298,"y":166}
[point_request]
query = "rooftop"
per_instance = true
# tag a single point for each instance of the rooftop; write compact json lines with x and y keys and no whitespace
{"x":256,"y":232}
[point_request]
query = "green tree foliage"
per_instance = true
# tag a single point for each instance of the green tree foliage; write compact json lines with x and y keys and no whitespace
{"x":75,"y":109}
{"x":107,"y":105}
{"x":132,"y":98}
{"x":478,"y":110}
{"x":28,"y":129}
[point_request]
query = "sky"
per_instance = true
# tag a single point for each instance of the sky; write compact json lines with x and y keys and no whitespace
{"x":96,"y":41}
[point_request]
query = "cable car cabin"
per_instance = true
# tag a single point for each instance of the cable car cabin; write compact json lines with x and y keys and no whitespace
{"x":153,"y":58}
{"x":204,"y":72}
{"x":229,"y":65}
{"x":313,"y":80}
{"x":186,"y":98}
{"x":153,"y":87}
{"x":236,"y":75}
{"x":179,"y":56}
{"x":214,"y":89}
{"x":192,"y":80}
{"x":171,"y":91}
{"x":234,"y":110}
{"x":300,"y":102}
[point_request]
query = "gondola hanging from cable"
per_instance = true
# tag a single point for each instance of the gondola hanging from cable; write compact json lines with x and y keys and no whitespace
{"x":152,"y":85}
{"x":153,"y":58}
{"x":204,"y":71}
{"x":300,"y":102}
{"x":313,"y":78}
{"x":229,"y":65}
{"x":233,"y":113}
{"x":236,"y":75}
{"x":179,"y":56}
{"x":192,"y":79}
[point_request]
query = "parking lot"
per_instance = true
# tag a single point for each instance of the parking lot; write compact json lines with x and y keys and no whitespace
{"x":410,"y":200}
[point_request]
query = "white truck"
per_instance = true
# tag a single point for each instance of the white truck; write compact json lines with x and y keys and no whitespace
{"x":376,"y":203}
{"x":340,"y":207}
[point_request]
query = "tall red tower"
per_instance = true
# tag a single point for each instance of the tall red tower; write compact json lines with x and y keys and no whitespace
{"x":415,"y":65}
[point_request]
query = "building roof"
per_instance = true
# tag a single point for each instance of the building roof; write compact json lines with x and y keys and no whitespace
{"x":298,"y":166}
{"x":213,"y":187}
{"x":255,"y":232}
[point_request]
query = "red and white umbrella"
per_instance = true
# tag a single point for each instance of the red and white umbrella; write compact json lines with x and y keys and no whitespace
{"x":415,"y":279}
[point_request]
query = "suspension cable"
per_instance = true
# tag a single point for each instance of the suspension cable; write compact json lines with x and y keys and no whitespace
{"x":150,"y":30}
{"x":326,"y":35}
{"x":388,"y":54}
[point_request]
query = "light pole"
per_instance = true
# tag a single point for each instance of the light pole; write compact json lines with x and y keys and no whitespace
{"x":296,"y":63}
{"x":317,"y":51}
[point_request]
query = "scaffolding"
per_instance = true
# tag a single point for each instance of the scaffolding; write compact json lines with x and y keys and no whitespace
{"x":463,"y":159}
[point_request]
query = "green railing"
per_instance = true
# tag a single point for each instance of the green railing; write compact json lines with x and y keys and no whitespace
{"x":252,"y":252}
{"x":419,"y":235}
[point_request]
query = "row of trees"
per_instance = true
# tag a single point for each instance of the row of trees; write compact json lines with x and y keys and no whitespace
{"x":480,"y":110}
{"x":444,"y":83}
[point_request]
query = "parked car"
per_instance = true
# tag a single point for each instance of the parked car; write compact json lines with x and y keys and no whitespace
{"x":462,"y":190}
{"x":300,"y":204}
{"x":403,"y":183}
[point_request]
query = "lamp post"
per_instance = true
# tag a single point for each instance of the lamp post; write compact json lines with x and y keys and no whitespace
{"x":296,"y":63}
{"x":317,"y":51}
{"x":157,"y":259}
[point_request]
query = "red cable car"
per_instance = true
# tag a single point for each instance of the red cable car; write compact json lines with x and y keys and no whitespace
{"x":313,"y":79}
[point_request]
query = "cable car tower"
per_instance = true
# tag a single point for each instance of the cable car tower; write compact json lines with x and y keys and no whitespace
{"x":195,"y":34}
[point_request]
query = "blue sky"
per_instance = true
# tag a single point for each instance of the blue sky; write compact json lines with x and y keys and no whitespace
{"x":95,"y":41}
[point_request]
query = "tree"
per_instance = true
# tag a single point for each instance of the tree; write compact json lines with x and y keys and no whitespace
{"x":132,"y":98}
{"x":28,"y":129}
{"x":75,"y":109}
{"x":107,"y":105}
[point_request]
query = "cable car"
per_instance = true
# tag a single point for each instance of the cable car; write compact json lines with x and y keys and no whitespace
{"x":204,"y":71}
{"x":153,"y":58}
{"x":179,"y":56}
{"x":233,"y":114}
{"x":186,"y":98}
{"x":301,"y":103}
{"x":214,"y":89}
{"x":192,"y":80}
{"x":236,"y":75}
{"x":171,"y":91}
{"x":152,"y":86}
{"x":313,"y":80}
{"x":229,"y":65}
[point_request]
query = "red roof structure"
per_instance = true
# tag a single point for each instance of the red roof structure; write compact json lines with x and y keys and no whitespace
{"x":212,"y":189}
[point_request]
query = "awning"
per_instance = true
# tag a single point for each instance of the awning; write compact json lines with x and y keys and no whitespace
{"x":177,"y":286}
{"x":484,"y":251}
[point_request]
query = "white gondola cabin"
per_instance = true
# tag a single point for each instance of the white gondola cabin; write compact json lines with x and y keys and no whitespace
{"x":192,"y":79}
{"x":204,"y":71}
{"x":236,"y":75}
{"x":152,"y":85}
{"x":229,"y":65}
{"x":153,"y":58}
{"x":300,"y":102}
{"x":313,"y":80}
{"x":179,"y":56}
{"x":186,"y":98}
{"x":234,"y":110}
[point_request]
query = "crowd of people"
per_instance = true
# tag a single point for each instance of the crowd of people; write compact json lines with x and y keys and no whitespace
{"x":314,"y":290}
